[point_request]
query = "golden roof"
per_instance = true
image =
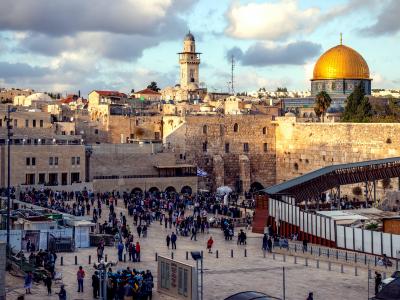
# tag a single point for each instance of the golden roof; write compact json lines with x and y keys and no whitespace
{"x":341,"y":62}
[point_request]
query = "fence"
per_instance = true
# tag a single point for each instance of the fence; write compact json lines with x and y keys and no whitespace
{"x":348,"y":238}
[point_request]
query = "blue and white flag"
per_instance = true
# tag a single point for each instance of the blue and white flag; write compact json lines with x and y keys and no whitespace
{"x":201,"y":173}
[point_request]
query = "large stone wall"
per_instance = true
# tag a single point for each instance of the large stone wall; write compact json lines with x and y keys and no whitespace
{"x":305,"y":147}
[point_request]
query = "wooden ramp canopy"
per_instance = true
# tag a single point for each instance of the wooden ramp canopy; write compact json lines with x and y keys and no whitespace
{"x":312,"y":184}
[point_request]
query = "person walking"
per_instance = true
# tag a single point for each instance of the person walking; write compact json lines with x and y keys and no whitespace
{"x":194,"y":233}
{"x":269,"y":245}
{"x":310,"y":296}
{"x":80,"y":275}
{"x":378,"y":281}
{"x":48,"y":282}
{"x":95,"y":284}
{"x":137,"y":248}
{"x":265,"y":242}
{"x":305,"y":242}
{"x":173,"y":240}
{"x":139,"y":230}
{"x":168,"y":240}
{"x":62,"y":294}
{"x":28,"y":283}
{"x":120,"y":250}
{"x":210,"y":243}
{"x":99,"y":253}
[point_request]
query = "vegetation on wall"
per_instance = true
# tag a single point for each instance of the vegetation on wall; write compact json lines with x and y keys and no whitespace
{"x":357,"y":109}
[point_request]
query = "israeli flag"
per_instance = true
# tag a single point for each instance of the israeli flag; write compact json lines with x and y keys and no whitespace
{"x":201,"y":173}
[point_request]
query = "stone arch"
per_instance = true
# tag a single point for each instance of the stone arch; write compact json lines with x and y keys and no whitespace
{"x":256,"y":187}
{"x":170,"y":189}
{"x":153,"y":190}
{"x":186,"y":190}
{"x":137,"y":191}
{"x":205,"y":129}
{"x":264,"y":130}
{"x":235,"y":127}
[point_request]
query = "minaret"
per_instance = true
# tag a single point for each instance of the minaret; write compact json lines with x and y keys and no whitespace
{"x":189,"y":60}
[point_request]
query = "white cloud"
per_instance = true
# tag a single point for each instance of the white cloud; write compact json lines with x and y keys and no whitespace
{"x":270,"y":20}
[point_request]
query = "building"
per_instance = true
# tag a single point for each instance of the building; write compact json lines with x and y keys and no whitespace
{"x":147,"y":95}
{"x":99,"y":103}
{"x":338,"y":71}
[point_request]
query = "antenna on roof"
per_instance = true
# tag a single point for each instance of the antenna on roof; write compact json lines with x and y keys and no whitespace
{"x":233,"y":68}
{"x":341,"y":38}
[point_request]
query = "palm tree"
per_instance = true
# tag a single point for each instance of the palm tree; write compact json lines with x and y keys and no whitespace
{"x":322,"y":103}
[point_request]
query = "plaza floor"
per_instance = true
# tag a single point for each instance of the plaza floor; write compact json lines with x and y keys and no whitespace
{"x":223,"y":276}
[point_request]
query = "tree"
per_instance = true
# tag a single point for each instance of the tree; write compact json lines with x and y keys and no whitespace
{"x":281,"y":89}
{"x":358,"y":108}
{"x":322,"y":103}
{"x":153,"y":86}
{"x":132,"y":91}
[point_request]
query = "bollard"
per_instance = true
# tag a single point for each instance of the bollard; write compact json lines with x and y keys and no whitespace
{"x":231,"y":252}
{"x":328,"y":252}
{"x":273,"y":256}
{"x":365,"y":259}
{"x":62,"y":261}
{"x":355,"y":257}
{"x":90,"y":259}
{"x":105,"y":258}
{"x":172,"y":255}
{"x":295,"y":259}
{"x":311,"y":250}
{"x":76,"y":260}
{"x":345,"y":254}
{"x":187,"y":255}
{"x":295,"y":247}
{"x":216,"y":254}
{"x":397,"y":264}
{"x":124,"y":257}
{"x":337,"y":254}
{"x":317,"y":263}
{"x":375,"y":260}
{"x":284,"y":258}
{"x":319,"y":251}
{"x":156,"y":256}
{"x":306,"y":262}
{"x":329,"y":266}
{"x":245,"y":252}
{"x":384,"y":275}
{"x":355,"y":271}
{"x":341,"y":268}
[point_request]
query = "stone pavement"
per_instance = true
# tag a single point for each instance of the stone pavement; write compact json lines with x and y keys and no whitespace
{"x":223,"y":276}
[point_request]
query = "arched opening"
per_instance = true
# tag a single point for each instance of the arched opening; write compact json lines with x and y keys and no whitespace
{"x":170,"y":190}
{"x":154,"y":190}
{"x":256,"y":187}
{"x":137,"y":191}
{"x":264,"y":130}
{"x":204,"y":129}
{"x":235,"y":127}
{"x":186,"y":190}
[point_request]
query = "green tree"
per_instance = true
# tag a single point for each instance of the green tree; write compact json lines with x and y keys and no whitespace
{"x":322,"y":103}
{"x":281,"y":89}
{"x":358,"y":108}
{"x":153,"y":86}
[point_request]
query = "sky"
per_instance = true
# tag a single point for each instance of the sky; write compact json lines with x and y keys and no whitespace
{"x":66,"y":46}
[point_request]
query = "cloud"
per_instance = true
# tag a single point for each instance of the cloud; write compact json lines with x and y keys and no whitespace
{"x":60,"y":17}
{"x":388,"y":21}
{"x":270,"y":21}
{"x":259,"y":54}
{"x":12,"y":71}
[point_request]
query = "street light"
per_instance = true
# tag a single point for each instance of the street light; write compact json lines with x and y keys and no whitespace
{"x":9,"y":135}
{"x":102,"y":268}
{"x":198,"y":256}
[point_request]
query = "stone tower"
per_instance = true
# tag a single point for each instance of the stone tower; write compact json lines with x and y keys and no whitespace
{"x":189,"y":61}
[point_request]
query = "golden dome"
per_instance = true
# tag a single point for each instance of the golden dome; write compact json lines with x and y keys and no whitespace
{"x":341,"y":62}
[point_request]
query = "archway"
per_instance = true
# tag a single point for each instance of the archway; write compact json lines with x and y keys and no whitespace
{"x":256,"y":187}
{"x":170,"y":189}
{"x":153,"y":190}
{"x":186,"y":190}
{"x":137,"y":191}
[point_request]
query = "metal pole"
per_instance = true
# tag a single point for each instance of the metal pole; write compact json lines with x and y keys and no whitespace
{"x":284,"y":285}
{"x":201,"y":277}
{"x":8,"y":176}
{"x":197,"y":270}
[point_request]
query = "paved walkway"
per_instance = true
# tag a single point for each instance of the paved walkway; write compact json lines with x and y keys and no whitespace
{"x":223,"y":275}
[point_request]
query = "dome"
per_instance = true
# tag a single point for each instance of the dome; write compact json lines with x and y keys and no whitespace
{"x":39,"y":97}
{"x":189,"y":37}
{"x":290,"y":114}
{"x":341,"y":62}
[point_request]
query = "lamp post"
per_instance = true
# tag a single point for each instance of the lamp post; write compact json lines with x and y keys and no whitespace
{"x":102,"y":268}
{"x":198,"y":256}
{"x":9,"y":135}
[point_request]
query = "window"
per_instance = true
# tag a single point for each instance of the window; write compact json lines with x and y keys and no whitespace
{"x":1,"y":122}
{"x":56,"y":161}
{"x":265,"y":147}
{"x":74,"y":177}
{"x":28,"y":161}
{"x":72,"y":160}
{"x":235,"y":127}
{"x":30,"y":179}
{"x":227,"y":148}
{"x":78,"y":160}
{"x":71,"y":132}
{"x":96,"y":131}
{"x":41,"y":123}
{"x":33,"y":161}
{"x":53,"y":178}
{"x":205,"y":147}
{"x":264,"y":130}
{"x":15,"y":123}
{"x":204,"y":129}
{"x":246,"y":147}
{"x":51,"y":161}
{"x":34,"y":123}
{"x":26,"y":123}
{"x":42,"y":178}
{"x":63,"y":132}
{"x":64,"y":178}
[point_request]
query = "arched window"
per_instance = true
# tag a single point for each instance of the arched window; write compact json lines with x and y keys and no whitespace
{"x":204,"y":129}
{"x":235,"y":127}
{"x":264,"y":130}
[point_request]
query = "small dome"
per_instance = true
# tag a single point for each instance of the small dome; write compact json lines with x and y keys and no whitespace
{"x":290,"y":114}
{"x":39,"y":97}
{"x":189,"y":37}
{"x":341,"y":62}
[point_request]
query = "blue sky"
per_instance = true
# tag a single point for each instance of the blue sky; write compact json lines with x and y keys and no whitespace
{"x":66,"y":46}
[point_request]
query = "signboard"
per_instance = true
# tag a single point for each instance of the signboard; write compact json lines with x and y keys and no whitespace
{"x":176,"y":279}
